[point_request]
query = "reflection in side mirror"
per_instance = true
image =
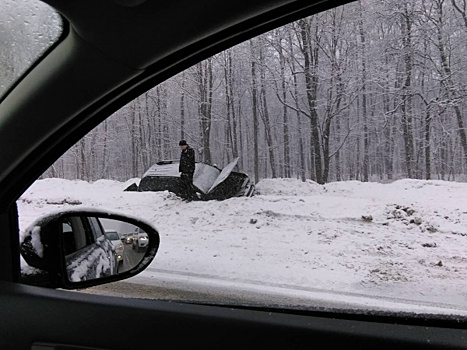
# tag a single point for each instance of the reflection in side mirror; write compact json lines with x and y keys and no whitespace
{"x":93,"y":247}
{"x":87,"y":248}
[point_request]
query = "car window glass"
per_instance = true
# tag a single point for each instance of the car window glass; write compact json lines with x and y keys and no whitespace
{"x":75,"y":235}
{"x":68,"y":239}
{"x":66,"y":226}
{"x":113,"y":236}
{"x":349,"y":190}
{"x":27,"y":29}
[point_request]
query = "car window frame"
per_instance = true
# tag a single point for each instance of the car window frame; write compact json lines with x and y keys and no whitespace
{"x":117,"y":102}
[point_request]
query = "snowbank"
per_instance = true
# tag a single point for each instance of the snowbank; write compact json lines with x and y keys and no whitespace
{"x":288,"y":187}
{"x":406,"y":239}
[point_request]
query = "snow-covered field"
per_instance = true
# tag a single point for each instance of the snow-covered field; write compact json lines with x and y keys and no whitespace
{"x":405,"y":240}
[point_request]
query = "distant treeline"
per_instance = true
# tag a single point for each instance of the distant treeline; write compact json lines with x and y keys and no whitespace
{"x":372,"y":91}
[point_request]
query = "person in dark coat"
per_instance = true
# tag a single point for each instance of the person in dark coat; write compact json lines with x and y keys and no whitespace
{"x":187,"y":170}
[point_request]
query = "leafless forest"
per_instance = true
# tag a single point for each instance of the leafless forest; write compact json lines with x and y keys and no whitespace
{"x":373,"y":91}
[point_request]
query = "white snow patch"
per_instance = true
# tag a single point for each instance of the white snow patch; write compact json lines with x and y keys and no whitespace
{"x":406,"y":239}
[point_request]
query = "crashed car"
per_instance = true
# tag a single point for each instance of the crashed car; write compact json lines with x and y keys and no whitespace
{"x":209,"y":181}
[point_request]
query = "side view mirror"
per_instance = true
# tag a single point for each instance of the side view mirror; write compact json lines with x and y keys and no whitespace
{"x":75,"y":249}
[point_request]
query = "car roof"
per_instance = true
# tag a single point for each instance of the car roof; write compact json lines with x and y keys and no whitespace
{"x":111,"y":52}
{"x":170,"y":168}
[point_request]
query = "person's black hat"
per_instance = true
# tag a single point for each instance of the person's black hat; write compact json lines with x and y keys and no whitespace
{"x":182,"y":143}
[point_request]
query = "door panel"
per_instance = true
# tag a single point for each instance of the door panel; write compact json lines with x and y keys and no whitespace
{"x":35,"y":315}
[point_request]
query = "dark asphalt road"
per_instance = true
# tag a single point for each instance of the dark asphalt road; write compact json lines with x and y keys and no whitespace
{"x":131,"y":258}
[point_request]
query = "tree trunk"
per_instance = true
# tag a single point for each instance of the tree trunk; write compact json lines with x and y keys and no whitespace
{"x":234,"y":136}
{"x":301,"y":171}
{"x":407,"y":123}
{"x":286,"y":150}
{"x":311,"y":60}
{"x":448,"y":81}
{"x":254,"y":93}
{"x":265,"y":112}
{"x":205,"y":87}
{"x":182,"y":108}
{"x":366,"y":137}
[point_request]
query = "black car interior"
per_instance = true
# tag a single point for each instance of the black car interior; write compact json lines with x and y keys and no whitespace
{"x":111,"y":52}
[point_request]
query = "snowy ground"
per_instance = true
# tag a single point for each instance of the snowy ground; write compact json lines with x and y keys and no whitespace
{"x":405,"y":240}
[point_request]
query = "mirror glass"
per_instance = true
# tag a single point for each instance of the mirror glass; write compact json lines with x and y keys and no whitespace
{"x":96,"y":247}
